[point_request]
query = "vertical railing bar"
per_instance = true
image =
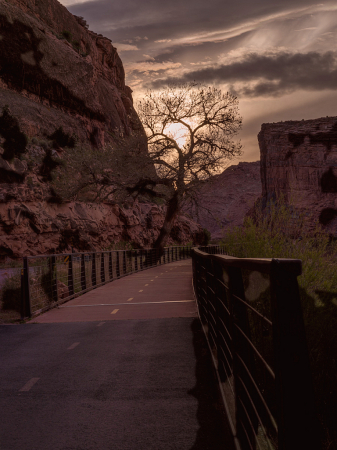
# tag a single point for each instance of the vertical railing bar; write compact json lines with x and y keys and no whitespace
{"x":110,"y":266}
{"x":70,"y":275}
{"x":93,"y":270}
{"x":83,"y":275}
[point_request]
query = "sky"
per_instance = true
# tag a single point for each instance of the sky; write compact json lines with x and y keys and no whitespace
{"x":278,"y":57}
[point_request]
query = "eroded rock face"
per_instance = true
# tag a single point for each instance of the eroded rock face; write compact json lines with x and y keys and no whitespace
{"x":299,"y":160}
{"x":33,"y":228}
{"x":55,"y":73}
{"x":224,"y":202}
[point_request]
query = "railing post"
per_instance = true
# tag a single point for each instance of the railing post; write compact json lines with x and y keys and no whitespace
{"x":298,"y":427}
{"x":110,"y":266}
{"x":83,"y":275}
{"x":124,"y":262}
{"x":136,"y":260}
{"x":102,"y":268}
{"x":93,"y":270}
{"x":141,"y":260}
{"x":70,"y":276}
{"x":54,"y":279}
{"x":118,"y":270}
{"x":25,"y":290}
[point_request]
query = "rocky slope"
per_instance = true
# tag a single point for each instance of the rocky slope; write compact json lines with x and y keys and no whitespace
{"x":224,"y":202}
{"x":61,"y":86}
{"x":299,"y":159}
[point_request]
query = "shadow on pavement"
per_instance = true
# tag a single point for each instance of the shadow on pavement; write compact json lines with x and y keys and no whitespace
{"x":214,"y":432}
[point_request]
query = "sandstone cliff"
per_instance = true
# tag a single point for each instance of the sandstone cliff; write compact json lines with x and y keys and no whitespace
{"x":61,"y":86}
{"x":224,"y":202}
{"x":299,"y":159}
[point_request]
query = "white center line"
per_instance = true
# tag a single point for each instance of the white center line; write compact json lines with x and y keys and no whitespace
{"x":100,"y":324}
{"x":129,"y":299}
{"x":115,"y":311}
{"x":141,"y":290}
{"x":75,"y":344}
{"x":151,"y":280}
{"x":29,"y":385}
{"x":146,"y":285}
{"x":117,"y":304}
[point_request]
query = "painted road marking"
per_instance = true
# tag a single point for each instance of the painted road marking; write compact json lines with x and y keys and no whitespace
{"x":115,"y":311}
{"x":75,"y":344}
{"x":129,"y":300}
{"x":118,"y":304}
{"x":141,"y":290}
{"x":100,"y":324}
{"x":27,"y":387}
{"x":146,"y":285}
{"x":151,"y":280}
{"x":156,"y":276}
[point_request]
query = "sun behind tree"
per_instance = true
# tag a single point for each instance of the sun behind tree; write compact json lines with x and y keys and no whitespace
{"x":190,"y":130}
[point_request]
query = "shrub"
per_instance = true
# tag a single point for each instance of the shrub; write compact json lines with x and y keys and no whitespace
{"x":62,"y":139}
{"x":10,"y":293}
{"x":48,"y":165}
{"x":15,"y":141}
{"x":67,"y":35}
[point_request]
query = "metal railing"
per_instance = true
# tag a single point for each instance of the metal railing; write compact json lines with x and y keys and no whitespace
{"x":49,"y":280}
{"x":251,"y":314}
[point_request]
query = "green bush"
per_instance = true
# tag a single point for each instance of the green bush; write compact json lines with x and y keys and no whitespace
{"x":15,"y":141}
{"x":10,"y":294}
{"x":62,"y":139}
{"x":280,"y":232}
{"x":67,"y":35}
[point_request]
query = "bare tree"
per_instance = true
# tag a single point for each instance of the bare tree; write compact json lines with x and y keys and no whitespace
{"x":190,"y":130}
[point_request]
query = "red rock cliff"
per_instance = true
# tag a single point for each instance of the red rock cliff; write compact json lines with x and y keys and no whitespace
{"x":55,"y":73}
{"x":299,"y":159}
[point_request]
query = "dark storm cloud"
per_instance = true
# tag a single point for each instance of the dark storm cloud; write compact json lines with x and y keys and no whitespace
{"x":127,"y":19}
{"x":269,"y":75}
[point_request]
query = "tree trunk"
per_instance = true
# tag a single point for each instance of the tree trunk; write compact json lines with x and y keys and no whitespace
{"x":171,"y":214}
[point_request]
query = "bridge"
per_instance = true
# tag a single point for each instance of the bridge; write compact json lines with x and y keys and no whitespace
{"x":174,"y":353}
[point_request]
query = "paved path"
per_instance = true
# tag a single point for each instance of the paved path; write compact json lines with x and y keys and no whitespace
{"x":104,"y":383}
{"x":162,"y":292}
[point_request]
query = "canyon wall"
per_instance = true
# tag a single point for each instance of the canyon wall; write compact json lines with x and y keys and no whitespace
{"x":223,"y":203}
{"x":299,"y":160}
{"x":63,"y":86}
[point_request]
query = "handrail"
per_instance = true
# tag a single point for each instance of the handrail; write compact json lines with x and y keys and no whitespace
{"x":259,"y":347}
{"x":50,"y":280}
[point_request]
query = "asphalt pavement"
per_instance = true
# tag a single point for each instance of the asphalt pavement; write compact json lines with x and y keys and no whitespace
{"x":113,"y":381}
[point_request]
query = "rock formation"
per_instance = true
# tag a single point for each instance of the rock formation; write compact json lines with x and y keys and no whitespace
{"x":61,"y":86}
{"x":39,"y":227}
{"x":299,"y":160}
{"x":224,"y":202}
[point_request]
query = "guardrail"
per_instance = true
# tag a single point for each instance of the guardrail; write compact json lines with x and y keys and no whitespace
{"x":46,"y":281}
{"x":251,"y":314}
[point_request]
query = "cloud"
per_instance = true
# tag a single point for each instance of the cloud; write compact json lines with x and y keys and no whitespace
{"x":125,"y":47}
{"x":163,"y":40}
{"x":148,"y":57}
{"x":269,"y":74}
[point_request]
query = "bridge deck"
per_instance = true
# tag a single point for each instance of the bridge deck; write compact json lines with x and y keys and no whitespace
{"x":80,"y":377}
{"x":161,"y":292}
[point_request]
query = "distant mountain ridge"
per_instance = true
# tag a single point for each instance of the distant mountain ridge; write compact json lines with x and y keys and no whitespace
{"x":224,"y":202}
